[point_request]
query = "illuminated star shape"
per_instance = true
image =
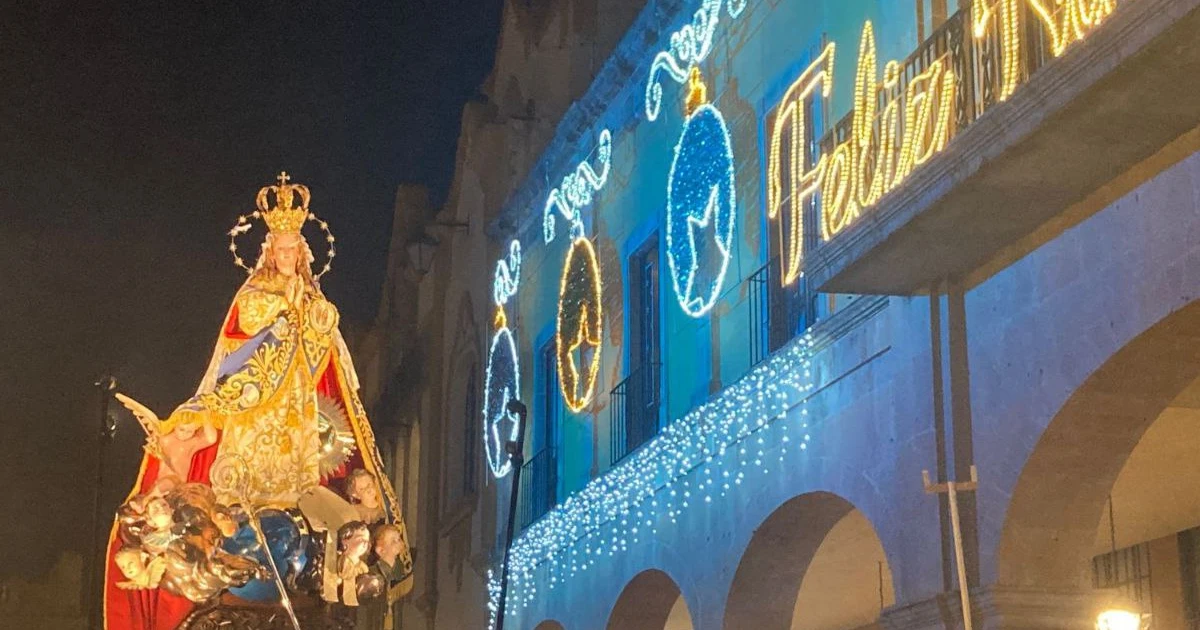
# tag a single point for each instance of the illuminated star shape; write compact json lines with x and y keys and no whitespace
{"x":579,"y":342}
{"x":693,"y":225}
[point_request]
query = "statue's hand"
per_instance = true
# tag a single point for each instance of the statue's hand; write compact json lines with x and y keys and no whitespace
{"x":322,"y":315}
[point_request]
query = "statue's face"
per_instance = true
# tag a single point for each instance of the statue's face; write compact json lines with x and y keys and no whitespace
{"x":158,"y":513}
{"x":285,"y":253}
{"x":185,"y":430}
{"x":358,"y":545}
{"x":388,"y":545}
{"x":130,"y":562}
{"x":365,"y":491}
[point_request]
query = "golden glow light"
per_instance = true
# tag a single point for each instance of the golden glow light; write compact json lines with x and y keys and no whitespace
{"x":1118,"y":619}
{"x":1066,"y":22}
{"x":802,"y":183}
{"x":873,"y":160}
{"x":579,"y":325}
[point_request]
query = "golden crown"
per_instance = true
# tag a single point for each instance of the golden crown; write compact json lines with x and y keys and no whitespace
{"x":288,"y":213}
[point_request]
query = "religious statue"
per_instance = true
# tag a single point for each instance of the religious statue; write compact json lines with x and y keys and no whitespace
{"x":390,"y":577}
{"x":274,"y":446}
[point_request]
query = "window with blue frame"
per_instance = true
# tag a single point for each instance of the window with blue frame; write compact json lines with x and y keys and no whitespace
{"x":539,"y":475}
{"x":636,"y":402}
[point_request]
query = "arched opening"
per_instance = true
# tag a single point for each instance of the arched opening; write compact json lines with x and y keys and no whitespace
{"x":651,"y":601}
{"x":1131,"y":432}
{"x":815,"y":563}
{"x":549,"y":624}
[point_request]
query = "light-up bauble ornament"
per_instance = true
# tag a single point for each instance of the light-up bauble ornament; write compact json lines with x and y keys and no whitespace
{"x":501,"y":384}
{"x":701,"y":208}
{"x":579,"y":325}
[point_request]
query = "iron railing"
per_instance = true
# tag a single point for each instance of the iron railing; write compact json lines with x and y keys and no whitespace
{"x":977,"y":64}
{"x":778,"y":312}
{"x":634,"y":411}
{"x":539,"y":486}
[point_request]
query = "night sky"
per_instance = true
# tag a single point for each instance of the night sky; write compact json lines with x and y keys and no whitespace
{"x":131,"y":137}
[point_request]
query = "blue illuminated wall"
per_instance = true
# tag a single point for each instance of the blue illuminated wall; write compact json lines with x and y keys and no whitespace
{"x":754,"y":58}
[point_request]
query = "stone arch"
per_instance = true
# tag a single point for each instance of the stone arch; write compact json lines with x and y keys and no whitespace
{"x":549,"y":624}
{"x":1061,"y":495}
{"x":816,"y":548}
{"x":648,"y":602}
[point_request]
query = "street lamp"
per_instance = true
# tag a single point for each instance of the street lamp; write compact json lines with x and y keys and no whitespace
{"x":515,"y":449}
{"x":421,"y":249}
{"x":108,"y":427}
{"x":1119,"y":617}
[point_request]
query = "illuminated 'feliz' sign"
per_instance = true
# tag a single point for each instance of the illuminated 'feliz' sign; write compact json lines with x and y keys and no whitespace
{"x":889,"y":137}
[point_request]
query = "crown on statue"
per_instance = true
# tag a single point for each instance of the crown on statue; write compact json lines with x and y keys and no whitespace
{"x":290,"y":209}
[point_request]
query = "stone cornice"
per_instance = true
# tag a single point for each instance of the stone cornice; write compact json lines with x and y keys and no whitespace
{"x":631,"y":55}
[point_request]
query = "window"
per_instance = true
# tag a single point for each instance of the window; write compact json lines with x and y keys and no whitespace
{"x":471,"y":437}
{"x":539,"y":474}
{"x":1126,"y":570}
{"x":635,"y":409}
{"x":778,"y":311}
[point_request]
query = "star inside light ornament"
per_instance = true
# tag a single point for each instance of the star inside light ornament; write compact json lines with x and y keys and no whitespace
{"x":580,"y":324}
{"x":502,"y":380}
{"x":701,"y":204}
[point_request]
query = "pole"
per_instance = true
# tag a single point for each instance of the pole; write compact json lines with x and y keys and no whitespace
{"x":108,"y":428}
{"x":951,"y":489}
{"x":516,"y":455}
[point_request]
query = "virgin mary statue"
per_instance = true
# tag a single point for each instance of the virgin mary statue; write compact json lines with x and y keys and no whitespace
{"x":276,"y":426}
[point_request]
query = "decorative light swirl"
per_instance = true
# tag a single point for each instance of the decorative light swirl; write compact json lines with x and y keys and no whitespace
{"x":577,"y":190}
{"x":243,"y":225}
{"x":508,"y":275}
{"x":690,"y":45}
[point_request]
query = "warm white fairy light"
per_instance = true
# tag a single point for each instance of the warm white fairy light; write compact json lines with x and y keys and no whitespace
{"x":499,"y":387}
{"x":803,"y":184}
{"x":690,"y":45}
{"x":1065,"y":21}
{"x":704,"y":455}
{"x":579,"y":325}
{"x":701,"y":204}
{"x":507,"y":278}
{"x":577,"y":190}
{"x":502,"y":377}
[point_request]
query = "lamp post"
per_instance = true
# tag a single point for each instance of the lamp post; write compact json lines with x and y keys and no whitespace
{"x":517,"y":456}
{"x":108,"y":427}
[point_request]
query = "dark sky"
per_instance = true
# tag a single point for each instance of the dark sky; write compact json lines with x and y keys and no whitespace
{"x":131,"y":137}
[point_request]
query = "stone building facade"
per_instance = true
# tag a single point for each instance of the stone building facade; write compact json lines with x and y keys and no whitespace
{"x":763,"y":279}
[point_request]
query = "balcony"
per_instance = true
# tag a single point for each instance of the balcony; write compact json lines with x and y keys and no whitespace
{"x":539,"y":486}
{"x":1111,"y":98}
{"x":778,"y":312}
{"x":634,"y":411}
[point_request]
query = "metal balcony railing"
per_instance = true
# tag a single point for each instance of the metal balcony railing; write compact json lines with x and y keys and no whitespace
{"x":977,"y":64}
{"x":778,"y":312}
{"x":539,"y":486}
{"x":634,"y":411}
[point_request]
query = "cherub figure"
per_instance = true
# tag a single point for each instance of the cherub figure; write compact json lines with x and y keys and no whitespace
{"x":363,"y":491}
{"x":176,"y":447}
{"x":327,"y":511}
{"x":354,"y":540}
{"x":139,"y":568}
